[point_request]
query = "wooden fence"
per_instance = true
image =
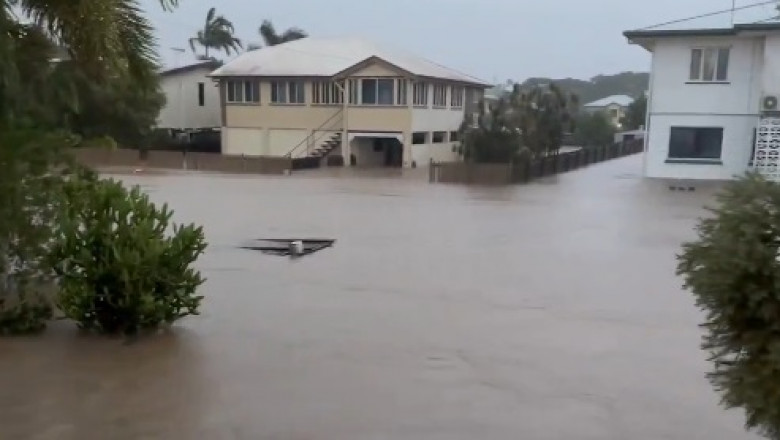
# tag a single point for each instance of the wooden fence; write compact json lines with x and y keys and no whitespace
{"x":176,"y":160}
{"x":527,"y":170}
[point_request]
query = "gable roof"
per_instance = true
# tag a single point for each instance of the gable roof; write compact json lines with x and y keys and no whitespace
{"x":328,"y":57}
{"x":621,"y":100}
{"x":207,"y":64}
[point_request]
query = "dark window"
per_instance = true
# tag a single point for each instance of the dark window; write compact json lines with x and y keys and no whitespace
{"x":418,"y":137}
{"x":709,"y":64}
{"x":438,"y":136}
{"x":368,"y":91}
{"x":201,"y":94}
{"x":385,"y":91}
{"x":296,"y":94}
{"x":453,"y":136}
{"x":695,"y":142}
{"x":240,"y":92}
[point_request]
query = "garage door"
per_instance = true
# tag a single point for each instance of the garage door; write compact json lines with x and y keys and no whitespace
{"x":281,"y":142}
{"x":246,"y":141}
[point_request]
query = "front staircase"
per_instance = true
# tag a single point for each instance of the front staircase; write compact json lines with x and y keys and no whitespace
{"x":325,"y":139}
{"x":325,"y":148}
{"x":314,"y":158}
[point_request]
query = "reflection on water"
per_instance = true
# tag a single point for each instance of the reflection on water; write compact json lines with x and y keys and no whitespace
{"x":445,"y":312}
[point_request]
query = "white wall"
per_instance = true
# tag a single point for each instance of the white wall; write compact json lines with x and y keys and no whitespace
{"x":182,"y":109}
{"x":735,"y":153}
{"x":437,"y":119}
{"x":675,"y":102}
{"x":423,"y":153}
{"x":770,"y":58}
{"x":282,"y":141}
{"x":243,"y":141}
{"x":434,"y":119}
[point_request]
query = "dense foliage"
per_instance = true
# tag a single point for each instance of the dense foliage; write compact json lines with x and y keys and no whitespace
{"x":76,"y":72}
{"x":600,"y":86}
{"x":31,"y":175}
{"x":733,"y":271}
{"x":593,"y":129}
{"x":526,"y":123}
{"x":635,"y":114}
{"x":122,"y":266}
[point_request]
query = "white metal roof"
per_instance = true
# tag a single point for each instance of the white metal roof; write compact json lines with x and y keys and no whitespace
{"x":621,"y":100}
{"x":328,"y":56}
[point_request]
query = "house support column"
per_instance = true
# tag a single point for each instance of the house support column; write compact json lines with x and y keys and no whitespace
{"x":406,"y":143}
{"x":346,"y":148}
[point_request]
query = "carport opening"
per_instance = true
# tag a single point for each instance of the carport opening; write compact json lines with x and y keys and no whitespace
{"x":377,"y":152}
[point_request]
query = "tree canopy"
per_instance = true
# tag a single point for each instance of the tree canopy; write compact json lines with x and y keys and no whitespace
{"x":525,"y":123}
{"x":270,"y":37}
{"x":593,"y":129}
{"x":600,"y":86}
{"x":635,"y":113}
{"x":217,"y":34}
{"x":733,"y":271}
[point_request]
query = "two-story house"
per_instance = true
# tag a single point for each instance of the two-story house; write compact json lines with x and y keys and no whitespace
{"x":319,"y":97}
{"x":713,"y":102}
{"x":191,"y":98}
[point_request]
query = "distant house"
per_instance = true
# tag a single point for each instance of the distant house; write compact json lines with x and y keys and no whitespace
{"x":713,"y":107}
{"x":614,"y":107}
{"x":192,"y":98}
{"x":348,"y":98}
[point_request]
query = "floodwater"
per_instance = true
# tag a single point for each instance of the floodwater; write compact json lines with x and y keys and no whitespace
{"x":547,"y":311}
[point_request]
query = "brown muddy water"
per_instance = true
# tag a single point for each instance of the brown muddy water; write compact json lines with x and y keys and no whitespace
{"x":547,"y":311}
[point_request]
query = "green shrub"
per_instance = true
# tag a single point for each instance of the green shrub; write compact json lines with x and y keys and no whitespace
{"x":32,"y":166}
{"x":121,"y":269}
{"x":734,"y":274}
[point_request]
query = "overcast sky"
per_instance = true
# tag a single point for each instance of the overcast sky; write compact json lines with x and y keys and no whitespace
{"x":492,"y":39}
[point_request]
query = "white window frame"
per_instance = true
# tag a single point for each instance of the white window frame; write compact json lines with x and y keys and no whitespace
{"x":241,"y":88}
{"x":420,"y":94}
{"x":439,"y":96}
{"x":456,"y":96}
{"x":326,"y":93}
{"x":376,"y":92}
{"x":288,"y":89}
{"x":353,"y":91}
{"x":697,"y":71}
{"x":401,"y":91}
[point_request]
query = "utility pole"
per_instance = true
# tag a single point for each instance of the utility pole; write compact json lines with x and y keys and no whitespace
{"x":733,"y":10}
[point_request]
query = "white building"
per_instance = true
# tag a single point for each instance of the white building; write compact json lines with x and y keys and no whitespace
{"x":614,"y":107}
{"x":192,"y":98}
{"x":343,"y":97}
{"x":713,"y":101}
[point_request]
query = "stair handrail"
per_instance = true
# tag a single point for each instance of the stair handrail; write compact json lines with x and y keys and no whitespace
{"x":311,"y":136}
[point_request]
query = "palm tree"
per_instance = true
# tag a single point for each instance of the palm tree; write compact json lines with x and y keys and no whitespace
{"x":272,"y":38}
{"x":104,"y":39}
{"x":101,"y":36}
{"x":217,"y":33}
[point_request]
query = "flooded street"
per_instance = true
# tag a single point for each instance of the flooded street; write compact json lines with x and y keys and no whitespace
{"x":547,"y":311}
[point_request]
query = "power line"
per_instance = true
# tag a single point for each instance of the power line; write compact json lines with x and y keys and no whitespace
{"x":711,"y":14}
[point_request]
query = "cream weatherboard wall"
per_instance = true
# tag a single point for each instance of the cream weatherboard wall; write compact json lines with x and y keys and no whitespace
{"x":243,"y":141}
{"x":675,"y":102}
{"x":183,"y":109}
